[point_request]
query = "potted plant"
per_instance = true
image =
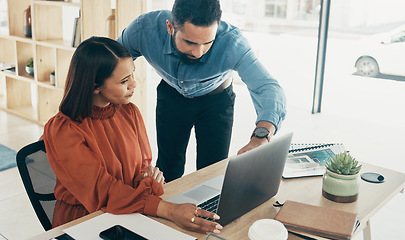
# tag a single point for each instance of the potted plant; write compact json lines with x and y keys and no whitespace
{"x":341,"y":180}
{"x":52,"y":78}
{"x":29,"y":67}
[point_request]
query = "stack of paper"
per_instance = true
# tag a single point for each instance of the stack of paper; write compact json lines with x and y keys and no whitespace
{"x":305,"y":160}
{"x":136,"y":222}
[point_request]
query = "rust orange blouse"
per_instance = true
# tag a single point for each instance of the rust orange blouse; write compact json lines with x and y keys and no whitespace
{"x":98,"y":161}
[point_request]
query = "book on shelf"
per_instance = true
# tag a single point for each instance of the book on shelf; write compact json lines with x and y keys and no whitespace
{"x":7,"y":66}
{"x":305,"y":160}
{"x":310,"y":220}
{"x":77,"y":32}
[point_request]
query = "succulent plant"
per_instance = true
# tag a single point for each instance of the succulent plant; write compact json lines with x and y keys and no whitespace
{"x":30,"y":62}
{"x":343,"y":163}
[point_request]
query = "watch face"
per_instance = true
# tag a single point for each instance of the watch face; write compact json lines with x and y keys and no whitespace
{"x":261,"y":132}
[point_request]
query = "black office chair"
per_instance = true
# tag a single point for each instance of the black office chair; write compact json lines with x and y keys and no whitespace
{"x":39,"y":180}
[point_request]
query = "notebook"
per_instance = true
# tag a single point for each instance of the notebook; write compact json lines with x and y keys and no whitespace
{"x":305,"y":160}
{"x":325,"y":222}
{"x":250,"y":179}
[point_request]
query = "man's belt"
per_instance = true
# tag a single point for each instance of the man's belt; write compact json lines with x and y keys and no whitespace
{"x":221,"y":87}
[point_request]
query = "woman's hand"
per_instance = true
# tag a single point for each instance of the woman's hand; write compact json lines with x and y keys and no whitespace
{"x":188,"y":216}
{"x":153,"y":172}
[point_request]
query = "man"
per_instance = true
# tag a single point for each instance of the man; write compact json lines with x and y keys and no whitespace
{"x":195,"y":53}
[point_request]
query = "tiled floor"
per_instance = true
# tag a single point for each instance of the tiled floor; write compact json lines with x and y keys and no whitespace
{"x":376,"y":141}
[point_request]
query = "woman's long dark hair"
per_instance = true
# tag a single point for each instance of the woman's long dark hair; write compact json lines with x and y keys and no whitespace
{"x":92,"y":63}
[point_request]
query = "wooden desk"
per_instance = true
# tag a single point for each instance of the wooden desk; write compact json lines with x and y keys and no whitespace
{"x":372,"y":197}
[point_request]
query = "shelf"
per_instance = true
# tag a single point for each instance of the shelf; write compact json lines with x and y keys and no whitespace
{"x":16,"y":16}
{"x":56,"y":3}
{"x":24,"y":53}
{"x":8,"y":51}
{"x":27,"y":78}
{"x":18,"y":98}
{"x":17,"y":38}
{"x":48,"y":103}
{"x":45,"y":63}
{"x":47,"y":22}
{"x":49,"y":86}
{"x":52,"y":23}
{"x":57,"y":43}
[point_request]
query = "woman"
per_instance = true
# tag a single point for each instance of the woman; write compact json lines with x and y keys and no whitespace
{"x":98,"y":147}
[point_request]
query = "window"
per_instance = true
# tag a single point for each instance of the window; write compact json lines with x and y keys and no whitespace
{"x":275,"y":8}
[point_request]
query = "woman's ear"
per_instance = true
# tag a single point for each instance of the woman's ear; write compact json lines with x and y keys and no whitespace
{"x":170,"y":27}
{"x":96,"y":91}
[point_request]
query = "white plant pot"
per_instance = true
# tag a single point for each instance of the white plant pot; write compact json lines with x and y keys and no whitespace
{"x":29,"y":70}
{"x":52,"y":79}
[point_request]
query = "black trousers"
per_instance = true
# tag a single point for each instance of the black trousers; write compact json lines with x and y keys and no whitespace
{"x":212,"y":118}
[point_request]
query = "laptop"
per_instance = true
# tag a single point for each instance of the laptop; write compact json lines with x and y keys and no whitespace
{"x":250,"y":179}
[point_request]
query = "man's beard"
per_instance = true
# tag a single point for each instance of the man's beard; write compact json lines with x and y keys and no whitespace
{"x":183,"y":57}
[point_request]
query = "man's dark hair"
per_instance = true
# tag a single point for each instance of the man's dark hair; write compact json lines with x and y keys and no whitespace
{"x":202,"y":13}
{"x":92,"y":63}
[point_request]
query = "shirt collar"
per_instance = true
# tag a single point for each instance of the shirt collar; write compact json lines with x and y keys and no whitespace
{"x":168,"y":48}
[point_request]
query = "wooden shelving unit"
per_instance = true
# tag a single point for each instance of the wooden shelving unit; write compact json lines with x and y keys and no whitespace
{"x":34,"y":97}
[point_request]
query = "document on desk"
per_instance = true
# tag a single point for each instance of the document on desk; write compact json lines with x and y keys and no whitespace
{"x":136,"y":222}
{"x":306,"y":160}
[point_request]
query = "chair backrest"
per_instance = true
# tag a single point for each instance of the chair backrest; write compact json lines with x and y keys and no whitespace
{"x":39,"y":180}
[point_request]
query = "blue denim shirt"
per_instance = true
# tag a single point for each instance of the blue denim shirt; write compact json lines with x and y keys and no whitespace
{"x":147,"y":36}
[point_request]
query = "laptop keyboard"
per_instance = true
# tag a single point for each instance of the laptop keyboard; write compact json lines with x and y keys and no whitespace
{"x":210,"y":205}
